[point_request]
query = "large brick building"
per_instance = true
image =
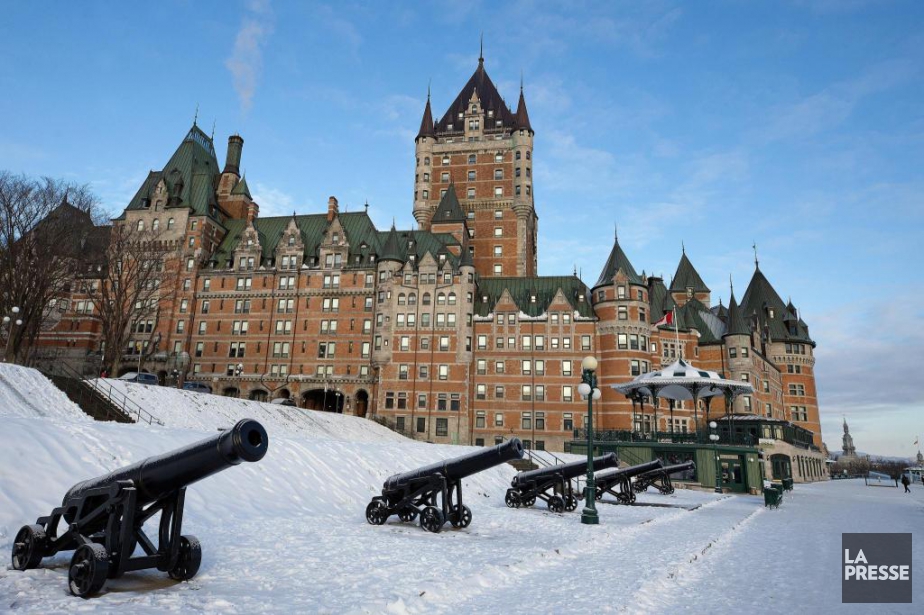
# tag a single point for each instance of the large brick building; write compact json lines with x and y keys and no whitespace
{"x":446,"y":331}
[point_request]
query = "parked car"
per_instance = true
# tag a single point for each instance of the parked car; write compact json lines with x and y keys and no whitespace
{"x":197,"y":387}
{"x":283,"y":401}
{"x":142,"y":378}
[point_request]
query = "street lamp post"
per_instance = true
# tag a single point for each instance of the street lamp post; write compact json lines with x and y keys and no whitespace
{"x":7,"y":352}
{"x":588,"y":389}
{"x":239,"y":372}
{"x":715,"y":451}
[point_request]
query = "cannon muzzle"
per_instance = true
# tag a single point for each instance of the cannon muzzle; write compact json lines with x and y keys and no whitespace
{"x":566,"y":471}
{"x":678,"y":467}
{"x":160,"y":475}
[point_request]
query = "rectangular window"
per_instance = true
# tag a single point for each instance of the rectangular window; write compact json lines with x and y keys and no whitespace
{"x":498,"y":419}
{"x":567,"y":393}
{"x":526,"y":420}
{"x":421,"y":424}
{"x":481,"y":391}
{"x":499,"y":367}
{"x":585,"y":342}
{"x":527,"y":392}
{"x":480,"y":420}
{"x":498,"y":392}
{"x":444,"y":372}
{"x":622,"y":341}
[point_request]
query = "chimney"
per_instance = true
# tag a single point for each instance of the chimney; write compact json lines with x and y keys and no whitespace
{"x":233,"y":161}
{"x":332,"y":209}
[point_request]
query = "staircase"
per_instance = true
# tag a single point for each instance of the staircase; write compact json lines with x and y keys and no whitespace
{"x":98,"y":399}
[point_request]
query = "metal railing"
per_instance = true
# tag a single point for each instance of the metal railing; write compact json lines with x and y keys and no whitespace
{"x":666,"y":437}
{"x":107,"y":394}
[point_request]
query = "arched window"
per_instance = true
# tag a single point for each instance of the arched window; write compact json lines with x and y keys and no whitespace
{"x":426,"y":299}
{"x":155,"y":225}
{"x":441,"y":299}
{"x":140,"y":225}
{"x":170,"y":224}
{"x":412,"y":299}
{"x":401,"y":299}
{"x":452,"y":298}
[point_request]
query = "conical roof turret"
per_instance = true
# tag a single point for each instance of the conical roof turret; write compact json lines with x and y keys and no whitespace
{"x":426,"y":123}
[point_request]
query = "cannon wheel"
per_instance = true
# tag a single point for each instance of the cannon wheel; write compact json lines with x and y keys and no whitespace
{"x":570,"y":503}
{"x":556,"y":504}
{"x":190,"y":557}
{"x":431,"y":519}
{"x":88,"y":571}
{"x":598,"y":496}
{"x":29,"y":547}
{"x":376,"y":512}
{"x":463,"y":520}
{"x":529,"y":501}
{"x":407,"y":514}
{"x":512,"y":499}
{"x":640,"y":488}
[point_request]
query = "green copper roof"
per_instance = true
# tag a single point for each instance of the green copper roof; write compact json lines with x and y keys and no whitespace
{"x":191,"y":176}
{"x":418,"y":243}
{"x":357,"y":227}
{"x":242,"y":188}
{"x":687,"y":277}
{"x":449,"y":209}
{"x":661,"y":300}
{"x":617,"y":260}
{"x":522,"y":290}
{"x":761,"y":299}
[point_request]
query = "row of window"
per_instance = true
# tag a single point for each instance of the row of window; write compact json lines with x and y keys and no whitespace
{"x":280,"y":369}
{"x":444,"y":401}
{"x":528,"y":420}
{"x":472,"y":158}
{"x":532,"y":342}
{"x":526,"y":367}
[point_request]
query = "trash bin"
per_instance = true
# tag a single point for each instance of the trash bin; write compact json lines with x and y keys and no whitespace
{"x":773,"y":496}
{"x":787,"y":484}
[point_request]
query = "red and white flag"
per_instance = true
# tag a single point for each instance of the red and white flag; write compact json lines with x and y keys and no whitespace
{"x":667,"y":320}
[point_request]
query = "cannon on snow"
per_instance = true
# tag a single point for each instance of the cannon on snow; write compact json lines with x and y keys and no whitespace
{"x":619,"y":482}
{"x":103,"y":517}
{"x":661,"y":477}
{"x":546,"y":483}
{"x":412,"y":494}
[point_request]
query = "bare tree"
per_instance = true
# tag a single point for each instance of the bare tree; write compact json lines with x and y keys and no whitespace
{"x":44,"y":227}
{"x":136,"y":284}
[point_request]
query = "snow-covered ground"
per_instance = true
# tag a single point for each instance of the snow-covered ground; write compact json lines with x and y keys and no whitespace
{"x":189,"y":410}
{"x":288,"y":534}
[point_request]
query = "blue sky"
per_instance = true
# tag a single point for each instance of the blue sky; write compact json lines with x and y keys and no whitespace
{"x":795,"y":124}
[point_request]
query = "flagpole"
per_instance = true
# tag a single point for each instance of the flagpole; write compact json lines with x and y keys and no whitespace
{"x":677,"y":331}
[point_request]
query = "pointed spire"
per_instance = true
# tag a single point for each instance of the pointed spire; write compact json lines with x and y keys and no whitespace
{"x":213,"y":130}
{"x":426,"y":123}
{"x":196,"y":116}
{"x":522,"y":115}
{"x":616,"y":261}
{"x":735,"y":324}
{"x":449,"y":209}
{"x":756,"y":262}
{"x":481,"y":50}
{"x":686,"y":276}
{"x":242,"y":188}
{"x":391,"y":250}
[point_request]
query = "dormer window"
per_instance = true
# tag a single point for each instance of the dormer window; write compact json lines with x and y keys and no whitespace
{"x":498,"y":124}
{"x":249,"y":242}
{"x":689,"y":292}
{"x":446,"y":158}
{"x":581,"y":297}
{"x":145,"y":203}
{"x":335,"y":238}
{"x":490,"y":112}
{"x":474,"y":108}
{"x":484,"y":298}
{"x":532,"y":298}
{"x":291,"y":240}
{"x":448,"y":127}
{"x":770,"y":312}
{"x":442,"y":259}
{"x":460,"y":116}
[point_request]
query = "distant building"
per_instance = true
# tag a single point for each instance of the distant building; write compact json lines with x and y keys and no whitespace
{"x":849,"y":449}
{"x":445,"y":331}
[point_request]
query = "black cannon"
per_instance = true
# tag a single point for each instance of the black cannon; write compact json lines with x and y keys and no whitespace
{"x":103,"y":516}
{"x":609,"y":480}
{"x":413,"y":493}
{"x":546,"y":483}
{"x":661,"y":478}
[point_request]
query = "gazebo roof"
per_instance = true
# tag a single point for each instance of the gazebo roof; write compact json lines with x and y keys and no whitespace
{"x":681,"y":381}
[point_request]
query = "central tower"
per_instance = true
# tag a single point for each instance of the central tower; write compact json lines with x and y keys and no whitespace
{"x":486,"y":151}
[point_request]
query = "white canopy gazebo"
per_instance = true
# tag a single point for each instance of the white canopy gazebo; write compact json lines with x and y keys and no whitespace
{"x":681,"y":381}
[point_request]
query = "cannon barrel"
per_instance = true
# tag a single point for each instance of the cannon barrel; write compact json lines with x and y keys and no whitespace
{"x":567,"y":471}
{"x":630,"y":471}
{"x":160,"y":475}
{"x":678,"y":467}
{"x":460,"y":467}
{"x":668,"y":470}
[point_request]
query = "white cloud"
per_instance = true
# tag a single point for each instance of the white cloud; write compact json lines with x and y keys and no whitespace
{"x":275,"y":202}
{"x":246,"y":61}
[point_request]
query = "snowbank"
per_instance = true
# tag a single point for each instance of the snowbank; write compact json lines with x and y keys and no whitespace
{"x":204,"y":412}
{"x":25,"y":392}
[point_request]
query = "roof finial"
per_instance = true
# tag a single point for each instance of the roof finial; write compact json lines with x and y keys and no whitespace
{"x":575,"y":269}
{"x":481,"y":49}
{"x":683,"y":248}
{"x":196,"y":117}
{"x":731,"y":284}
{"x":756,"y":262}
{"x":429,"y":81}
{"x":521,"y":81}
{"x":616,"y":231}
{"x":213,"y":130}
